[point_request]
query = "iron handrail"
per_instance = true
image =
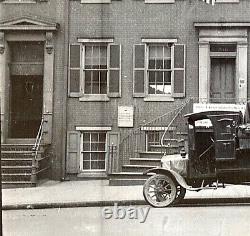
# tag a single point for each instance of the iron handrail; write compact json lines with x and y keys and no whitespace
{"x":173,"y":119}
{"x":38,"y":138}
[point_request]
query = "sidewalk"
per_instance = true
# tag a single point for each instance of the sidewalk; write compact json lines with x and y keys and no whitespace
{"x":53,"y":194}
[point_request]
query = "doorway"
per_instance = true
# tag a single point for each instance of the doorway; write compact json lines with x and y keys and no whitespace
{"x":26,"y":105}
{"x":26,"y":88}
{"x":222,"y":80}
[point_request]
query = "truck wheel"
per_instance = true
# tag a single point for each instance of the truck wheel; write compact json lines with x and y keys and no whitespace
{"x":159,"y":190}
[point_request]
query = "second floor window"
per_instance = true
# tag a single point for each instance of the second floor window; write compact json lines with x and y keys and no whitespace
{"x":95,"y":70}
{"x":159,"y":69}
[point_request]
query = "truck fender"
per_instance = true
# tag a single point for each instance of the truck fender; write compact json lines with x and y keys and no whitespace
{"x":174,"y":175}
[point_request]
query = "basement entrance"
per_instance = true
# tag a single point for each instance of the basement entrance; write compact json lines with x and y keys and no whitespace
{"x":26,"y":89}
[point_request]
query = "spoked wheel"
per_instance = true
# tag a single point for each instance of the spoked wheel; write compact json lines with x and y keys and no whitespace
{"x":180,"y":194}
{"x":160,"y":190}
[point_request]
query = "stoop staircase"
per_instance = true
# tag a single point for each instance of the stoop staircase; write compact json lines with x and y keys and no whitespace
{"x":137,"y":156}
{"x":23,"y":164}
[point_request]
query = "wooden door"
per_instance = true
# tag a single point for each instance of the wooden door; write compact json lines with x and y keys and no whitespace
{"x":222,"y":81}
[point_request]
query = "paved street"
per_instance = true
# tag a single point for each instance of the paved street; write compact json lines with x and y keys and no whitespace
{"x":193,"y":220}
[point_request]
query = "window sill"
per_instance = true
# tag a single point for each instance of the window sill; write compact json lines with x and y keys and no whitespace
{"x":94,"y":98}
{"x":158,"y":99}
{"x":19,"y":2}
{"x":95,"y":1}
{"x":227,"y":1}
{"x":159,"y":1}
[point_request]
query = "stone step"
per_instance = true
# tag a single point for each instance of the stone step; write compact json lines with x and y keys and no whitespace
{"x":16,"y":154}
{"x":16,"y":177}
{"x":19,"y":147}
{"x":171,"y":149}
{"x":136,"y":168}
{"x":157,"y":155}
{"x":16,"y":162}
{"x":146,"y":161}
{"x":15,"y":169}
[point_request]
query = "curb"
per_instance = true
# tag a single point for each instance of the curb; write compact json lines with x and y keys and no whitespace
{"x":189,"y":202}
{"x":32,"y":206}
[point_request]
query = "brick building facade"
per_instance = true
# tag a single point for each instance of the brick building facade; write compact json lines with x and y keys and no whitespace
{"x":118,"y":64}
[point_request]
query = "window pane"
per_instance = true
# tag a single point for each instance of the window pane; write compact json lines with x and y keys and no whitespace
{"x":167,"y":77}
{"x":100,"y":165}
{"x":86,"y":137}
{"x":87,"y":88}
{"x":94,"y":137}
{"x":103,"y":80}
{"x":159,"y":77}
{"x":86,"y":156}
{"x":167,"y":52}
{"x":86,"y":165}
{"x":102,"y":137}
{"x":151,"y":77}
{"x":86,"y":146}
{"x":101,"y":147}
{"x":167,"y":64}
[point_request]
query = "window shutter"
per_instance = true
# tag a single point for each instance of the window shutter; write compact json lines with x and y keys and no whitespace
{"x":73,"y":152}
{"x":139,"y":70}
{"x":178,"y":77}
{"x":74,"y":70}
{"x":114,"y":81}
{"x":113,"y":139}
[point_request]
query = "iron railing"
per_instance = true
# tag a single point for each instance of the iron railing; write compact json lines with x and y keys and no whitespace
{"x":156,"y":134}
{"x":35,"y":160}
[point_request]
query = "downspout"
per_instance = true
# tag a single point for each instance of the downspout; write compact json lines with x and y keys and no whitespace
{"x":65,"y":89}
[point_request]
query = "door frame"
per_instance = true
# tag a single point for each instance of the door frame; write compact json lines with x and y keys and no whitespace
{"x":211,"y":33}
{"x":48,"y":73}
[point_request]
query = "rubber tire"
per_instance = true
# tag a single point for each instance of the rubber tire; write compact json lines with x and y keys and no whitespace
{"x":160,"y":201}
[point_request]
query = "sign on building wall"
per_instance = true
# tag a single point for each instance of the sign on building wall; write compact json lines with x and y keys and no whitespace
{"x":200,"y":107}
{"x":125,"y":116}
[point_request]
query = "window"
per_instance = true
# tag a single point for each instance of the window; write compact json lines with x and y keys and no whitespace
{"x":159,"y":70}
{"x":95,"y":70}
{"x":93,"y":151}
{"x":153,"y":139}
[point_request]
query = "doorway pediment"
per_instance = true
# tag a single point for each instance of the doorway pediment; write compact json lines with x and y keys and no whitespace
{"x":28,"y":24}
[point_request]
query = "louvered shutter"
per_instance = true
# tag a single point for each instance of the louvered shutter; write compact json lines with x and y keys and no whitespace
{"x":114,"y":81}
{"x":73,"y":152}
{"x":178,"y":77}
{"x":139,"y":70}
{"x":74,"y":70}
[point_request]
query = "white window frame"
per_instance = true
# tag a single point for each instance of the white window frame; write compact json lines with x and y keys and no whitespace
{"x":84,"y":42}
{"x":160,"y":42}
{"x":93,"y":130}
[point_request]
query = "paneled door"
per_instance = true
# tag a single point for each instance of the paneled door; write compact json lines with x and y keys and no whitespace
{"x":222,"y":80}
